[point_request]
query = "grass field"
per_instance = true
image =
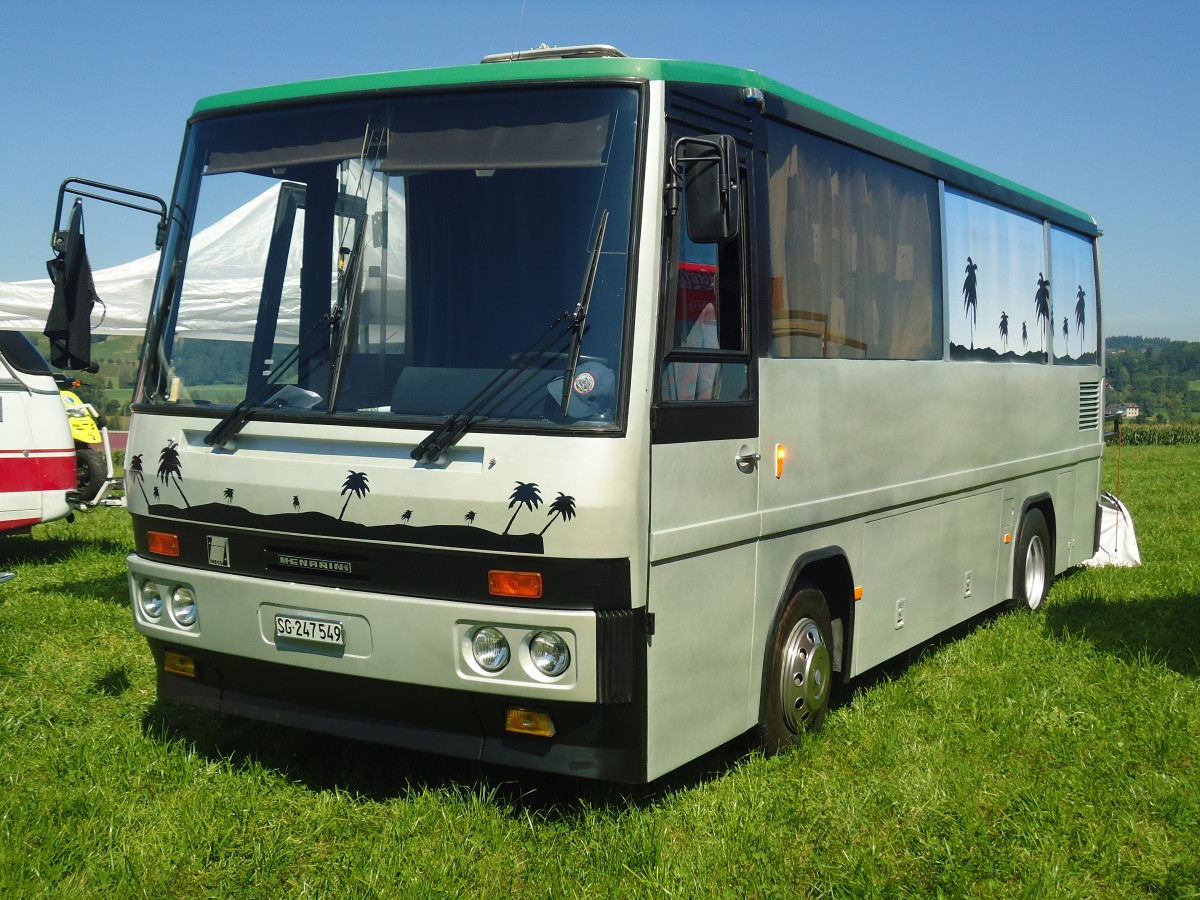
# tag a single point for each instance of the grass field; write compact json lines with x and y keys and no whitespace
{"x":1055,"y":755}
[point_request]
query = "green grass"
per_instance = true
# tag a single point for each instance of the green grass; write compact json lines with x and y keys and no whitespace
{"x":1051,"y":755}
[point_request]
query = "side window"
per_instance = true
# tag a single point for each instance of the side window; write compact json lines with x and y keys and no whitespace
{"x":855,"y":259}
{"x":706,"y":352}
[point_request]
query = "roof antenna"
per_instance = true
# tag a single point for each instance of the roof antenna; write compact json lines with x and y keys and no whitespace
{"x":517,"y":36}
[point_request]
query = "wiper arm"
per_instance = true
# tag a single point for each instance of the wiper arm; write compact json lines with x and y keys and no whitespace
{"x":236,"y":417}
{"x":341,"y":315}
{"x":432,"y":445}
{"x":578,"y":320}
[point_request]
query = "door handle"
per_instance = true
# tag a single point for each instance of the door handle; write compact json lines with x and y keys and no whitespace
{"x":747,"y":459}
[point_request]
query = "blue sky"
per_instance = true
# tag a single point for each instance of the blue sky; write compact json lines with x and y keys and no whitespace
{"x":1094,"y":103}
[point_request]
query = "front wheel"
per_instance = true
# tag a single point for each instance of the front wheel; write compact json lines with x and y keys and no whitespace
{"x":799,"y":677}
{"x":1033,"y":566}
{"x":89,"y":473}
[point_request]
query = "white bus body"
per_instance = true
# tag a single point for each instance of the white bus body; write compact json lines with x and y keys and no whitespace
{"x":721,"y":521}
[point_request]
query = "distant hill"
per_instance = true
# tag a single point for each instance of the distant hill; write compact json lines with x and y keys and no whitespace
{"x":1160,"y":375}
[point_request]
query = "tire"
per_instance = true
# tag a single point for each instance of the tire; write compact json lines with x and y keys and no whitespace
{"x":89,"y":473}
{"x":798,"y":680}
{"x":1033,"y":563}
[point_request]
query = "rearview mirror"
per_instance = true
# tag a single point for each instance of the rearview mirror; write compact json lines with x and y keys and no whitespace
{"x":708,"y":167}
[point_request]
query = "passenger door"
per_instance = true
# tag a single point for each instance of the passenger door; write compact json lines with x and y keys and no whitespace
{"x":704,"y":521}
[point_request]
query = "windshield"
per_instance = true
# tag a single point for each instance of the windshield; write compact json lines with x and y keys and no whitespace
{"x":392,"y":259}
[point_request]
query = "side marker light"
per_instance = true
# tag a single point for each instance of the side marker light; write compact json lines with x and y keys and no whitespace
{"x":779,"y":456}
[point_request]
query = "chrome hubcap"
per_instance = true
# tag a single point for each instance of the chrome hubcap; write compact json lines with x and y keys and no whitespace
{"x":1035,"y":572}
{"x":805,"y":676}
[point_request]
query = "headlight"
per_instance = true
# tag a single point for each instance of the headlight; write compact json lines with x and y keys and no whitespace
{"x":490,"y":649}
{"x":183,"y":606}
{"x":150,"y":600}
{"x":549,"y":653}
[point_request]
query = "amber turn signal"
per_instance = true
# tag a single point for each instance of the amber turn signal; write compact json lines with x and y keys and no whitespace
{"x":515,"y":584}
{"x":162,"y":543}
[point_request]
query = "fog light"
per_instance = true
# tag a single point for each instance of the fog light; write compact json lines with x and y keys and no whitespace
{"x":179,"y":664}
{"x":549,"y":653}
{"x":490,"y":649}
{"x":528,"y":721}
{"x":183,"y":606}
{"x":150,"y":600}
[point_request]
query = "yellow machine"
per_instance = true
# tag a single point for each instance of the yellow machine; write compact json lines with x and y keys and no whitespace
{"x":93,"y":458}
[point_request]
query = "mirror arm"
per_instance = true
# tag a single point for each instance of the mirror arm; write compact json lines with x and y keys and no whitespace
{"x":58,"y":236}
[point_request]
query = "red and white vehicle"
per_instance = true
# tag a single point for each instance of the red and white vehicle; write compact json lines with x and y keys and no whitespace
{"x":37,"y":454}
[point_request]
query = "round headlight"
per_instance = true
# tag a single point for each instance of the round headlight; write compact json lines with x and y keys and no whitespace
{"x":490,"y":649}
{"x":150,"y":599}
{"x":549,"y":653}
{"x":183,"y":606}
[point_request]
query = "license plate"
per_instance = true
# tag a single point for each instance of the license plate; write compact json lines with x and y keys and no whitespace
{"x":295,"y":628}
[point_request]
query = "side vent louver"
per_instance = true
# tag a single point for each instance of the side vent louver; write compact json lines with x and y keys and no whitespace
{"x":1089,"y":405}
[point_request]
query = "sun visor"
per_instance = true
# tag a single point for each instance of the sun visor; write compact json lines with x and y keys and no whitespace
{"x":546,"y":145}
{"x":282,"y":157}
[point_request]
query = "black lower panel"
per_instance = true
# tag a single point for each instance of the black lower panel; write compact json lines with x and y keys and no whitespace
{"x":592,"y":740}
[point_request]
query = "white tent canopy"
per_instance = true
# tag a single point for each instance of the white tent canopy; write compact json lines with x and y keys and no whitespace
{"x":224,"y":280}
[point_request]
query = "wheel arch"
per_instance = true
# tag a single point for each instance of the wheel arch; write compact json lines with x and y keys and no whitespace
{"x":829,"y":570}
{"x":1043,"y":503}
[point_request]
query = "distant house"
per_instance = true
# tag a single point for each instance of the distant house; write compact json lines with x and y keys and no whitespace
{"x":1124,"y":410}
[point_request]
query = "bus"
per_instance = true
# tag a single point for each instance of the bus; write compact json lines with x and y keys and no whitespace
{"x":585,"y":413}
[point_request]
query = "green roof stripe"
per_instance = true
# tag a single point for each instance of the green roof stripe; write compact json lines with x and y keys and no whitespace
{"x":563,"y":69}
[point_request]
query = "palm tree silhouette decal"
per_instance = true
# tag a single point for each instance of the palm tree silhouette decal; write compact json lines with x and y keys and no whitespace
{"x":563,"y":508}
{"x":1066,"y":332}
{"x":1004,"y":329}
{"x":228,"y":495}
{"x":170,"y":467}
{"x":1025,"y":335}
{"x":469,"y":518}
{"x":356,"y":486}
{"x":405,"y":517}
{"x":136,"y":475}
{"x":1041,"y":305}
{"x":524,"y":494}
{"x":1080,"y":315}
{"x":971,"y":297}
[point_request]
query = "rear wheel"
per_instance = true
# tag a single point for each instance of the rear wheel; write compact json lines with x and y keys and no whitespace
{"x":1033,"y":567}
{"x":89,"y":473}
{"x":799,"y":677}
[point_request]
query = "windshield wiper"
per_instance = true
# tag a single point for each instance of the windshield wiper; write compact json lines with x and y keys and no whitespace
{"x":456,"y":425}
{"x":236,"y":417}
{"x":579,"y":318}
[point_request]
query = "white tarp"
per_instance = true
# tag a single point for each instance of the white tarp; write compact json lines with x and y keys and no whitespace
{"x":223,"y":282}
{"x":1118,"y":543}
{"x":225,"y":267}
